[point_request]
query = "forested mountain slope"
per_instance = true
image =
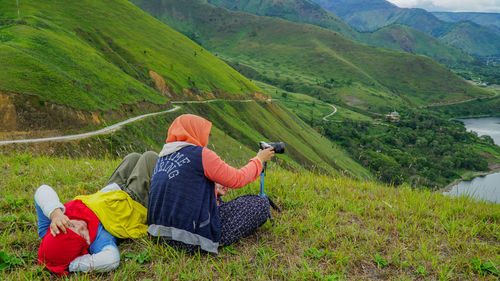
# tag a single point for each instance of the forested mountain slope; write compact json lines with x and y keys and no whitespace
{"x":369,"y":15}
{"x":396,"y":37}
{"x":490,"y":20}
{"x":314,"y":60}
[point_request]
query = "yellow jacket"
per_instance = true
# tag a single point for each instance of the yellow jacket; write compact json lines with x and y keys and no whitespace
{"x":118,"y":212}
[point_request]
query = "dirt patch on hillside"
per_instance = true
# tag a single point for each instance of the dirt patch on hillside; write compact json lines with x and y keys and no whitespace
{"x":29,"y":116}
{"x":160,"y":84}
{"x":7,"y":113}
{"x":353,"y":101}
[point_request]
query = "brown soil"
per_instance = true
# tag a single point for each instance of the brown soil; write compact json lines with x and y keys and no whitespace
{"x":161,"y":86}
{"x":23,"y":115}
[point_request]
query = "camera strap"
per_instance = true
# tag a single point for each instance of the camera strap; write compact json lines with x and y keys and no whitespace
{"x":262,"y":174}
{"x":273,"y":205}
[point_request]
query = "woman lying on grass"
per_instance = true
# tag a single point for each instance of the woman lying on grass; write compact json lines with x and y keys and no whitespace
{"x":184,"y":211}
{"x":81,"y":235}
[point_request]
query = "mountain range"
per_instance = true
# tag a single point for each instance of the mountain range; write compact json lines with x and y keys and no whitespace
{"x":369,"y":15}
{"x":302,"y":58}
{"x":395,"y":36}
{"x":490,"y":20}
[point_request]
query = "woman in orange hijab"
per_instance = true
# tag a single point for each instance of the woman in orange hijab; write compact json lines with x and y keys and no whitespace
{"x":183,"y":208}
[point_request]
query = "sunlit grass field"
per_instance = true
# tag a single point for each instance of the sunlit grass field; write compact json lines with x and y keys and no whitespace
{"x":330,"y":228}
{"x":96,"y":55}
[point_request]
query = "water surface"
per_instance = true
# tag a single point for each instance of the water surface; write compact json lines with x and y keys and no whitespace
{"x":487,"y":187}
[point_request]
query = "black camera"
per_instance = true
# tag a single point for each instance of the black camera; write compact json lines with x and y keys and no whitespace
{"x":279,"y":147}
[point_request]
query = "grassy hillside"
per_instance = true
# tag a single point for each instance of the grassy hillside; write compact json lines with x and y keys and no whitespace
{"x":308,"y":59}
{"x":310,"y":109}
{"x":96,"y":61}
{"x":98,"y":55}
{"x":329,"y":229}
{"x":394,"y":36}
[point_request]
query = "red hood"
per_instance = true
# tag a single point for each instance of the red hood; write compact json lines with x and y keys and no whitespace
{"x":56,"y":253}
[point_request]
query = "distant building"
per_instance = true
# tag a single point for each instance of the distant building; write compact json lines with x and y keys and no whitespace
{"x":392,"y":116}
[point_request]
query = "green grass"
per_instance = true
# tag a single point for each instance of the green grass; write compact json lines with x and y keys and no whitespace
{"x":98,"y":55}
{"x":304,"y":56}
{"x":330,"y":228}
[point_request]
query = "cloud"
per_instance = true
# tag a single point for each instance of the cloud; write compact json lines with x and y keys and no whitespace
{"x":492,"y":6}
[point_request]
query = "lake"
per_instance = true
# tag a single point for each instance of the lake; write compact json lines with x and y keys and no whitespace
{"x":487,"y":187}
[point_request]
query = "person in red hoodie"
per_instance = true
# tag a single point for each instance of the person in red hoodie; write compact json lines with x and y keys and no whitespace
{"x":183,"y":209}
{"x":73,"y":238}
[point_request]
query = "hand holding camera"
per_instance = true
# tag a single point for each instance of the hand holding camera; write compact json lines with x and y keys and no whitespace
{"x":266,"y":154}
{"x":269,"y":149}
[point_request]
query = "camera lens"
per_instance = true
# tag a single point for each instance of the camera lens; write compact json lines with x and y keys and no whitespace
{"x":279,"y":147}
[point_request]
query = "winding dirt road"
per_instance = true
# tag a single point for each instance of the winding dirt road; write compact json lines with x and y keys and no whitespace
{"x":117,"y":126}
{"x":334,"y":111}
{"x":111,"y":128}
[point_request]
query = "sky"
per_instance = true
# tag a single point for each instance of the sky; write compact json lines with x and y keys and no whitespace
{"x":491,"y":6}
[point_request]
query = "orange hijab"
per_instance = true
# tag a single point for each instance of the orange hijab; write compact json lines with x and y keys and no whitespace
{"x":190,"y":128}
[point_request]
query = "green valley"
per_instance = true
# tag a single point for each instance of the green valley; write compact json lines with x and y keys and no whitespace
{"x":311,"y":60}
{"x":288,"y":60}
{"x":358,"y":185}
{"x":395,"y":36}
